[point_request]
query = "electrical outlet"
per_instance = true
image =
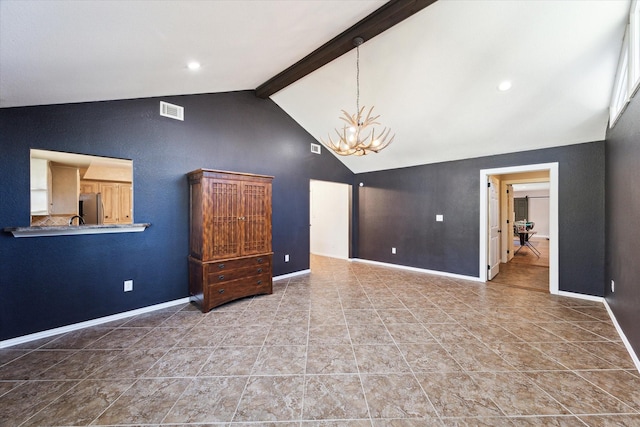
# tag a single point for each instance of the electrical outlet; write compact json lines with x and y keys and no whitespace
{"x":393,"y":251}
{"x":128,"y":285}
{"x":286,"y":258}
{"x":613,"y":286}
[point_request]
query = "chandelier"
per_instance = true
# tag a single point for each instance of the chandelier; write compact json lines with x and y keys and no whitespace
{"x":358,"y":136}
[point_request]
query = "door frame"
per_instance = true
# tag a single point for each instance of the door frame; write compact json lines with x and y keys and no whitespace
{"x":552,"y":168}
{"x":348,"y":218}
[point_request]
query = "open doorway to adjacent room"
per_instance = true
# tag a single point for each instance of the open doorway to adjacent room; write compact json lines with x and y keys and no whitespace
{"x":525,"y":222}
{"x":329,"y":219}
{"x":519,"y":226}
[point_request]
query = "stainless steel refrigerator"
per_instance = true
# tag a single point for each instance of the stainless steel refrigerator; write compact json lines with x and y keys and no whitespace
{"x":91,"y":209}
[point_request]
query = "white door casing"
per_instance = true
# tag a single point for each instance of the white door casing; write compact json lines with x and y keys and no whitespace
{"x":511,"y":216}
{"x":494,"y":226}
{"x":553,"y":169}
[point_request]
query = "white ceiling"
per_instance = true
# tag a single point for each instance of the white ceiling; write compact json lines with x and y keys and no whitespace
{"x":432,"y":78}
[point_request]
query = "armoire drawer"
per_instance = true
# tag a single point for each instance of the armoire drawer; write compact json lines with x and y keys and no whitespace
{"x":218,"y":276}
{"x":232,"y":264}
{"x":219,"y":293}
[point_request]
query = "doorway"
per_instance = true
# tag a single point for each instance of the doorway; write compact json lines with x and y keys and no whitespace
{"x":329,"y":219}
{"x":487,"y":245}
{"x":525,"y":257}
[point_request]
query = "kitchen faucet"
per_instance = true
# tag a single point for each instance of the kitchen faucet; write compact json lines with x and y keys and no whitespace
{"x":80,"y":220}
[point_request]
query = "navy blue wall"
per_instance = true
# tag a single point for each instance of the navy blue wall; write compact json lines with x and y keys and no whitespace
{"x":47,"y":282}
{"x":55,"y":281}
{"x":398,"y":209}
{"x":623,"y":221}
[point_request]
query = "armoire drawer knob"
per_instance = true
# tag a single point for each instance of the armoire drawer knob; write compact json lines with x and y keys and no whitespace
{"x":259,"y":270}
{"x":259,"y":282}
{"x":221,"y":277}
{"x":259,"y":260}
{"x":221,"y":291}
{"x":220,"y":266}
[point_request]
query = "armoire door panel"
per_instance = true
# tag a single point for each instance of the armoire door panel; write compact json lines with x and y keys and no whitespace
{"x":225,"y":216}
{"x":257,"y":218}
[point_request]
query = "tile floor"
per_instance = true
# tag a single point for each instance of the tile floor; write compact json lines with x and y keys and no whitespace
{"x":351,"y":344}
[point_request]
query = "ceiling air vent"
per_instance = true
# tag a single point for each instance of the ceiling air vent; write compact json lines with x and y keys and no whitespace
{"x":316,"y":148}
{"x":171,"y":111}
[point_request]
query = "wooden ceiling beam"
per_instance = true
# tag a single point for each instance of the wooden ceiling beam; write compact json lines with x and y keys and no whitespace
{"x":382,"y":19}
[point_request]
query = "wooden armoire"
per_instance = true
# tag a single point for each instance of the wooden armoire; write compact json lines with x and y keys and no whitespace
{"x":230,"y":237}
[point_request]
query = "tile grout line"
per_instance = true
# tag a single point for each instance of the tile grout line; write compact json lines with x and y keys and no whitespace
{"x":244,"y":389}
{"x":306,"y":362}
{"x":413,"y":374}
{"x":353,"y":351}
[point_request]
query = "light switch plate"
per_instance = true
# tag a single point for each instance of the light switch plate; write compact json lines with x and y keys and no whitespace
{"x":128,"y":285}
{"x":439,"y":218}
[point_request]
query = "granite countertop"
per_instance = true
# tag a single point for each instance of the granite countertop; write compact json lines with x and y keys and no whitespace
{"x":67,"y":230}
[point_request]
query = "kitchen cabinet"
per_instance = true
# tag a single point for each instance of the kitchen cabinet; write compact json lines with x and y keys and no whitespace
{"x":39,"y":186}
{"x":116,"y":197}
{"x":125,"y":205}
{"x":116,"y":202}
{"x":65,"y":186}
{"x":89,"y":187}
{"x":54,"y":188}
{"x":230,"y":253}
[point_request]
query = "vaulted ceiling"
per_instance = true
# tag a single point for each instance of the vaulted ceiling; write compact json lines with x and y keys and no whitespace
{"x":433,"y":77}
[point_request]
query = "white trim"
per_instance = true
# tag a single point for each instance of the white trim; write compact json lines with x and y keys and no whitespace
{"x":634,"y":48}
{"x":580,"y":296}
{"x":553,"y":217}
{"x":289,"y":275}
{"x":419,"y":270}
{"x":94,"y":322}
{"x":620,"y":94}
{"x":623,"y":337}
{"x":537,"y":236}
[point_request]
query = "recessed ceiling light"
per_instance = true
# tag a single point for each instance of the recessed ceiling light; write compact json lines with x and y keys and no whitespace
{"x":193,"y":65}
{"x":504,"y":86}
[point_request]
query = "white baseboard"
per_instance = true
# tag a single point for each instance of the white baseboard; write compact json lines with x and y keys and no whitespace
{"x":419,"y":270}
{"x":623,"y":337}
{"x":540,"y":236}
{"x":580,"y":296}
{"x":93,"y":322}
{"x":290,"y":275}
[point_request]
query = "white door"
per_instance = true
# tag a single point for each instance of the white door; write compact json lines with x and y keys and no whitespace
{"x":494,"y":227}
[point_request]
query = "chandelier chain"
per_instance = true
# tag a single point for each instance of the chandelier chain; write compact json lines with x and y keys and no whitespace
{"x":358,"y":79}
